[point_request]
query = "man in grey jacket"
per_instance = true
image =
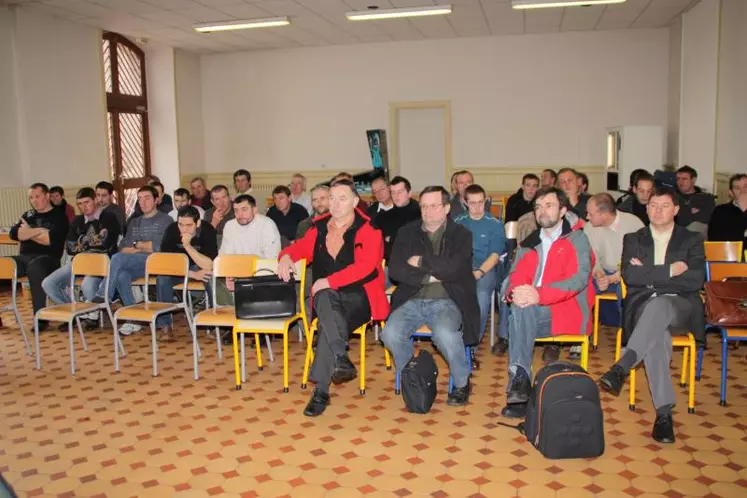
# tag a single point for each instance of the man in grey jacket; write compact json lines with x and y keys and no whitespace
{"x":695,"y":205}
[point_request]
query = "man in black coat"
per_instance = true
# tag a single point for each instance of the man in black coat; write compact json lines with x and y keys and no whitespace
{"x":432,"y":263}
{"x":663,"y":266}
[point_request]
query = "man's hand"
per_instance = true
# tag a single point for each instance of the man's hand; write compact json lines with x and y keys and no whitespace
{"x":201,"y":275}
{"x":695,"y":210}
{"x":602,"y":281}
{"x":414,"y":261}
{"x":186,"y":240}
{"x":286,"y":267}
{"x":525,"y":295}
{"x":636,"y":262}
{"x":319,"y":285}
{"x":677,"y":268}
{"x":229,"y":283}
{"x":478,"y":275}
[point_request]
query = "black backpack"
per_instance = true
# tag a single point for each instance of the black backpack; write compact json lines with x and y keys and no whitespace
{"x":419,"y":387}
{"x":564,"y":415}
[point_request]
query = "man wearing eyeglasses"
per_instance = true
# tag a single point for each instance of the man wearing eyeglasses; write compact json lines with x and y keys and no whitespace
{"x":549,"y":288}
{"x":432,"y":263}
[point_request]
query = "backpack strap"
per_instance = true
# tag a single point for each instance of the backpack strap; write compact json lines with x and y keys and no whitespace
{"x":519,"y":427}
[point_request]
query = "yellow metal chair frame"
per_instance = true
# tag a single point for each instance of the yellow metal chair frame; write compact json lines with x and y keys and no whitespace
{"x":360,"y":332}
{"x":224,"y":266}
{"x":162,"y":264}
{"x":83,"y":265}
{"x":583,"y":340}
{"x":259,"y":326}
{"x":688,"y":370}
{"x":607,"y":296}
{"x":9,"y":271}
{"x":730,"y":252}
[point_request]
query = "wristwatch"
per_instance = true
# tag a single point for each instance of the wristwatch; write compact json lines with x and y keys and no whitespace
{"x":134,"y":245}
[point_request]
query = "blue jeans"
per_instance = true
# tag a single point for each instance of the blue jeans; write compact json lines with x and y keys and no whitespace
{"x":57,"y":285}
{"x":125,"y":268}
{"x":524,"y":326}
{"x":485,"y":287}
{"x":165,"y":294}
{"x":444,"y":318}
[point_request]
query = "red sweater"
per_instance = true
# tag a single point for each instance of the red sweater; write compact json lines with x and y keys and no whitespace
{"x":368,"y":257}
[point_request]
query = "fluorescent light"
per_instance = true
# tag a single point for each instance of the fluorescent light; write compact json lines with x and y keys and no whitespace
{"x":268,"y":22}
{"x":373,"y":14}
{"x":542,"y":4}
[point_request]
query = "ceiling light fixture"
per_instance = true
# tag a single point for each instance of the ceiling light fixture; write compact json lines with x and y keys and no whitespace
{"x":269,"y":22}
{"x":542,"y":4}
{"x":375,"y":13}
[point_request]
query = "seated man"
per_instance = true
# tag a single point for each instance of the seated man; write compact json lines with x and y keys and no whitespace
{"x":606,"y":228}
{"x":636,"y":202}
{"x":458,"y":203}
{"x":286,"y":214}
{"x":143,"y":237}
{"x":549,"y":288}
{"x":242,"y":182}
{"x":568,"y":181}
{"x":41,"y":232}
{"x":345,"y":254}
{"x":200,"y":193}
{"x":95,"y":231}
{"x":57,"y":198}
{"x":432,"y":263}
{"x":696,"y":206}
{"x":163,"y":201}
{"x":664,"y":269}
{"x":221,"y":211}
{"x":549,"y":178}
{"x":319,"y":206}
{"x":198,"y":240}
{"x":488,"y":244}
{"x":729,"y":221}
{"x":182,"y":198}
{"x":380,"y":190}
{"x":298,"y":191}
{"x":405,"y":210}
{"x":521,"y":203}
{"x":104,"y":191}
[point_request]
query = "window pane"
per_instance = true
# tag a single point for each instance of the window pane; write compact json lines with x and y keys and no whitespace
{"x":133,"y":150}
{"x":107,"y":66}
{"x":130,"y":72}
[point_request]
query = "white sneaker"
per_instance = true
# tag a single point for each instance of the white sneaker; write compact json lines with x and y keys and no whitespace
{"x":129,"y":328}
{"x":90,"y":316}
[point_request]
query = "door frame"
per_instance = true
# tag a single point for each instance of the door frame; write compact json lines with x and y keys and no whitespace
{"x":394,"y":108}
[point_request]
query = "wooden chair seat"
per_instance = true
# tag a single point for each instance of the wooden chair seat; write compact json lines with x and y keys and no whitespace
{"x":66,"y":312}
{"x":224,"y":316}
{"x":145,"y":312}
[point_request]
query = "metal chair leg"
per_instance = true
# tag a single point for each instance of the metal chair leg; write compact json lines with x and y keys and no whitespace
{"x":72,"y":346}
{"x":36,"y":340}
{"x":155,"y":347}
{"x":219,"y":343}
{"x":82,"y":335}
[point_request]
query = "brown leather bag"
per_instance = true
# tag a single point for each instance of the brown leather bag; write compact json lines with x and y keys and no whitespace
{"x":726,"y":303}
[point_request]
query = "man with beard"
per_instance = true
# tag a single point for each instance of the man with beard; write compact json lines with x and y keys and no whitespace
{"x":550,"y":290}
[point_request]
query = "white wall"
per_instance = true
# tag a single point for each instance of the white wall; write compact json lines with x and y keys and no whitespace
{"x":164,"y":149}
{"x":10,"y":163}
{"x":675,"y":79}
{"x":60,"y":94}
{"x":731,"y":138}
{"x":699,"y":87}
{"x":189,"y":112}
{"x":517,"y":101}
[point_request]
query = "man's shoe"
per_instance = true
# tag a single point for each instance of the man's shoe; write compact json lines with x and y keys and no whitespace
{"x":473,"y":359}
{"x":520,"y":388}
{"x":62,"y":327}
{"x":459,"y":396}
{"x":167,"y":334}
{"x":613,"y":381}
{"x":43,"y":325}
{"x":317,"y":404}
{"x":551,"y":353}
{"x":129,"y":328}
{"x":89,"y":325}
{"x":500,"y":347}
{"x":98,"y":299}
{"x":575,"y":353}
{"x":516,"y":410}
{"x":664,"y":429}
{"x":344,"y":370}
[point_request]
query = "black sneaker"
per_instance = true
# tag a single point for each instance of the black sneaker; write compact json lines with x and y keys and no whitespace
{"x":459,"y":396}
{"x":344,"y":370}
{"x":43,"y":325}
{"x":520,"y":388}
{"x":500,"y":347}
{"x":98,"y":299}
{"x":613,"y":381}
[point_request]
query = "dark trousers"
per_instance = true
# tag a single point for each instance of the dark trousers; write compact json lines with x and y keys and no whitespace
{"x":339,"y":313}
{"x":36,"y":267}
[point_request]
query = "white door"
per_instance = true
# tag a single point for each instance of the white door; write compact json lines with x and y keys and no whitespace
{"x":422,"y":147}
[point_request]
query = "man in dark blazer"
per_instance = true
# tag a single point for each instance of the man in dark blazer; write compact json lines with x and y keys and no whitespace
{"x":432,"y":263}
{"x":663,"y":266}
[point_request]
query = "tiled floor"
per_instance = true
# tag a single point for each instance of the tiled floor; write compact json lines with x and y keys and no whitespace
{"x":129,"y":434}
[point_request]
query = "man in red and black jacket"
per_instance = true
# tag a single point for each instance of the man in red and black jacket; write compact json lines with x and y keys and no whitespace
{"x":345,"y":253}
{"x":550,"y":288}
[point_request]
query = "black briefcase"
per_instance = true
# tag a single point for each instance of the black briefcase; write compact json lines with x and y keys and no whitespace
{"x":264,"y":296}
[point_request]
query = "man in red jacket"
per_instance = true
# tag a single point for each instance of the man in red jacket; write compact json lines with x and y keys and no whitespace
{"x":550,"y":287}
{"x":345,"y":253}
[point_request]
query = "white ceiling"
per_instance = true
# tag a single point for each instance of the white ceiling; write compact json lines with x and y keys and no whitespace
{"x":323,"y":22}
